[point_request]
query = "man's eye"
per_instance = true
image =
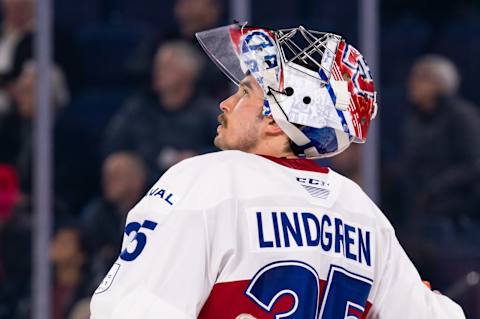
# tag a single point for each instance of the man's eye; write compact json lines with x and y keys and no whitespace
{"x":244,"y":92}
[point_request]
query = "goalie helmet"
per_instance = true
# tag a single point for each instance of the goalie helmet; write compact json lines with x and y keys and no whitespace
{"x":317,"y":88}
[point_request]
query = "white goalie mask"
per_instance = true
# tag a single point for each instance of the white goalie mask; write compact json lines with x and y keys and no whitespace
{"x":318,"y":89}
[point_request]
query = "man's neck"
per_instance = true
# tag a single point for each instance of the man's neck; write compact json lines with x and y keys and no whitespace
{"x":274,"y":149}
{"x":287,"y":155}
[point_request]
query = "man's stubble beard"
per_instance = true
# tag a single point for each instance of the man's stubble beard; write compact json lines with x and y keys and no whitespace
{"x":244,"y":143}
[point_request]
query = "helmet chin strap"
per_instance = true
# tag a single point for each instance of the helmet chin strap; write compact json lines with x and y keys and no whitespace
{"x":294,"y":133}
{"x":282,"y":121}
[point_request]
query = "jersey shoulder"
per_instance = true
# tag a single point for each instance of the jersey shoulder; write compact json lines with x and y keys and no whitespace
{"x":200,"y":181}
{"x":355,"y":200}
{"x":203,"y":170}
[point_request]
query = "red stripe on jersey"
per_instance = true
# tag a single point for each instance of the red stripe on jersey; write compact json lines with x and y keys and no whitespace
{"x":355,"y":312}
{"x":227,"y":300}
{"x":368,"y":306}
{"x":302,"y":164}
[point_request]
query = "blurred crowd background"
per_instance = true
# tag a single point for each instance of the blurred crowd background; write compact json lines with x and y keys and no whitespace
{"x":133,"y":94}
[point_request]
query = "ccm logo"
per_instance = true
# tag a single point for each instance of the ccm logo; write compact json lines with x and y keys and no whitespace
{"x":312,"y":181}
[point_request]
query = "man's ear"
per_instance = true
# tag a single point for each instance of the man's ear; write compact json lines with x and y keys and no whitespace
{"x":272,"y":127}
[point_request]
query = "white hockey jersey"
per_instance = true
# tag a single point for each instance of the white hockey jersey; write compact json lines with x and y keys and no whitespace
{"x":231,"y":235}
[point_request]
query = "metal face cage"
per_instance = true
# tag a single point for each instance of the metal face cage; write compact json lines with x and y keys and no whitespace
{"x":309,"y":49}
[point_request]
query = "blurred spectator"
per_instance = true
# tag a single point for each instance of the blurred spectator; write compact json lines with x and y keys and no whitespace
{"x":15,"y":49}
{"x":15,"y":43}
{"x":191,"y":16}
{"x":171,"y":123}
{"x":123,"y":184}
{"x":24,"y":98}
{"x":69,"y":256}
{"x":441,"y":145}
{"x":197,"y":15}
{"x":17,"y":230}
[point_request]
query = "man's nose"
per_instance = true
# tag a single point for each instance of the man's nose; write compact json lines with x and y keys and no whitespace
{"x":226,"y":105}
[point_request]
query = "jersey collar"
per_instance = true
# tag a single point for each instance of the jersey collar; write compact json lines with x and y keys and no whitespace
{"x":298,"y":163}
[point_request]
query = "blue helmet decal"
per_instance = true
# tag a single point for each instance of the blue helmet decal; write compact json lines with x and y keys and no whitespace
{"x":323,"y":139}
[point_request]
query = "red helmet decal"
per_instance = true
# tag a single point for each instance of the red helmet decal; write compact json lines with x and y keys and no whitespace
{"x":350,"y":65}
